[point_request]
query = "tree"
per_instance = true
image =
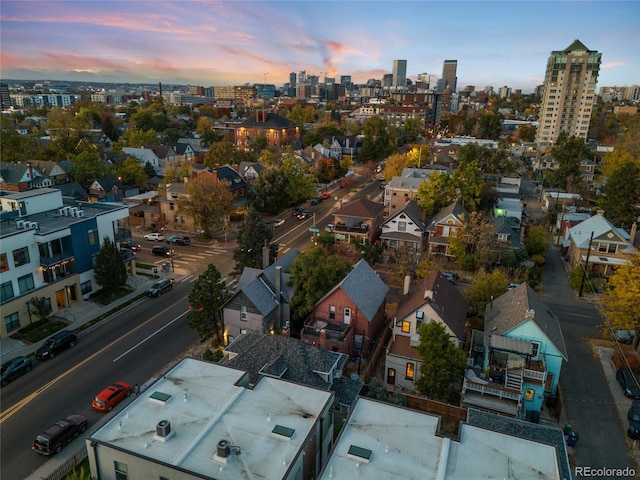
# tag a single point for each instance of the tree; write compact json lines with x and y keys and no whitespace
{"x":207,"y":297}
{"x":271,"y":193}
{"x":220,"y":153}
{"x":377,"y":141}
{"x":485,"y":288}
{"x":131,"y":173}
{"x":536,"y":240}
{"x":41,"y":308}
{"x":300,"y":184}
{"x":622,"y":297}
{"x":314,"y":273}
{"x":252,"y":237}
{"x":404,"y":263}
{"x":436,"y":193}
{"x":476,"y":244}
{"x":394,"y":165}
{"x":87,"y":167}
{"x":622,"y":194}
{"x":135,"y":138}
{"x":442,"y":362}
{"x":149,"y":170}
{"x":208,"y":202}
{"x":569,"y":152}
{"x":526,"y":133}
{"x":110,"y":271}
{"x":468,"y":184}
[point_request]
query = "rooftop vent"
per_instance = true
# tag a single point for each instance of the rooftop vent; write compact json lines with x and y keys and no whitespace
{"x":359,"y":454}
{"x":163,"y":431}
{"x":223,"y":449}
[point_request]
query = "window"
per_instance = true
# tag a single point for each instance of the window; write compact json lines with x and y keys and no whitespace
{"x":535,"y":349}
{"x":332,"y":312}
{"x":4,"y":264}
{"x":21,"y":256}
{"x":93,"y":236}
{"x":25,"y":284}
{"x":243,"y":312}
{"x":420,"y":315}
{"x":94,"y":257}
{"x":406,"y":326}
{"x":121,"y":470}
{"x":86,"y":287}
{"x":171,"y":206}
{"x":6,"y":289}
{"x":402,"y":226}
{"x":408,"y":374}
{"x":12,"y":322}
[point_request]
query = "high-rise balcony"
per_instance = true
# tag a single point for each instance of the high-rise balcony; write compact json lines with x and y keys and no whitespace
{"x":56,"y":259}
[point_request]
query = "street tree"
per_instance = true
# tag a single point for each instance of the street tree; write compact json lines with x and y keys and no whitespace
{"x":377,"y":141}
{"x":271,"y":191}
{"x":206,"y":299}
{"x":394,"y":165}
{"x":110,"y":271}
{"x":468,"y":184}
{"x":622,"y":297}
{"x":621,"y":195}
{"x":442,"y":362}
{"x":220,"y":153}
{"x":88,"y":166}
{"x":253,"y":235}
{"x":41,"y":308}
{"x":300,"y":183}
{"x":314,"y":273}
{"x":485,"y":288}
{"x":208,"y":202}
{"x":536,"y":241}
{"x":436,"y":193}
{"x":569,"y":152}
{"x":131,"y":173}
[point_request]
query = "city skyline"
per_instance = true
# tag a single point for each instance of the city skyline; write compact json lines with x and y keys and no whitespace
{"x":224,"y":43}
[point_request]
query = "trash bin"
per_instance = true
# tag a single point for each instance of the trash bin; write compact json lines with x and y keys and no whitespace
{"x":572,"y":439}
{"x":535,"y":417}
{"x":567,"y":428}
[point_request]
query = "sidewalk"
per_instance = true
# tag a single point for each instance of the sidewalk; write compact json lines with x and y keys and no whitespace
{"x":78,"y":315}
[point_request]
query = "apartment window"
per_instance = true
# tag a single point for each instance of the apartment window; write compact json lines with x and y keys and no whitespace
{"x":12,"y":322}
{"x":21,"y":256}
{"x":86,"y":287}
{"x":535,"y":349}
{"x":332,"y":312}
{"x":406,"y":326}
{"x":243,"y":312}
{"x":402,"y":226}
{"x":94,"y":258}
{"x":93,"y":236}
{"x":4,"y":263}
{"x":121,"y":470}
{"x":409,"y":372}
{"x":6,"y":290}
{"x":171,"y":206}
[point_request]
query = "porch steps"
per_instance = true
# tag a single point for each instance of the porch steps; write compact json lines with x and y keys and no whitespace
{"x":514,"y":380}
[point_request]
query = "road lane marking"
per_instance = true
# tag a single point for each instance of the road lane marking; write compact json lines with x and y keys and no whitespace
{"x":151,"y":336}
{"x":186,"y":278}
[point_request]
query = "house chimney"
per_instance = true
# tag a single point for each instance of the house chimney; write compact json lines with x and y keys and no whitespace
{"x":368,"y":197}
{"x":600,"y":212}
{"x":632,"y":234}
{"x":30,"y":171}
{"x":264,"y":116}
{"x":265,"y":255}
{"x":257,"y":115}
{"x":407,"y":284}
{"x":278,"y":281}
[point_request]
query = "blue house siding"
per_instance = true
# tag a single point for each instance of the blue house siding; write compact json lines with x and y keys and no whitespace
{"x":82,"y":249}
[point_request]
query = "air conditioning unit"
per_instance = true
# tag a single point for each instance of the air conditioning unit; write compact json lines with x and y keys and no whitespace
{"x":32,"y":225}
{"x":80,"y":213}
{"x":163,"y":428}
{"x":74,"y":211}
{"x":61,"y":211}
{"x":65,"y":211}
{"x":20,"y":224}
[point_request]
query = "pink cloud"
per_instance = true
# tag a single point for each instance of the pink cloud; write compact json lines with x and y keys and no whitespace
{"x":614,"y":64}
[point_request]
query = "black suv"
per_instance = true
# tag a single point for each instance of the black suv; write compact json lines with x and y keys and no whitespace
{"x":56,"y":343}
{"x":15,"y":368}
{"x":130,"y":246}
{"x":628,"y":382}
{"x":59,"y":434}
{"x":161,"y":251}
{"x":159,"y":287}
{"x":178,"y":240}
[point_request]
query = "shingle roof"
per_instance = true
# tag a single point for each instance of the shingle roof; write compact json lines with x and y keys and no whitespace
{"x":272,"y":121}
{"x":12,"y":173}
{"x":599,"y":225}
{"x":107,"y":183}
{"x":365,"y":288}
{"x":361,"y":208}
{"x":73,"y":189}
{"x":515,"y":307}
{"x":453,"y":208}
{"x":230,"y":175}
{"x":414,"y":212}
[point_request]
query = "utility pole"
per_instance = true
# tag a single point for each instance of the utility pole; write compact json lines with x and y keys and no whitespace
{"x":265,"y":78}
{"x":586,"y":264}
{"x":564,"y":204}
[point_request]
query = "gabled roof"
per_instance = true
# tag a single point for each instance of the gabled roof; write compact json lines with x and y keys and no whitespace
{"x":517,"y":306}
{"x":442,"y":296}
{"x":364,"y":287}
{"x":73,"y":189}
{"x":180,"y":148}
{"x":46,"y":167}
{"x":576,"y":45}
{"x":272,"y":121}
{"x":414,"y":212}
{"x":161,"y":151}
{"x":361,"y":208}
{"x":599,"y":225}
{"x":454,"y":209}
{"x":13,"y":173}
{"x":283,"y":357}
{"x":508,"y":226}
{"x":230,"y":175}
{"x":107,"y":183}
{"x":244,"y":166}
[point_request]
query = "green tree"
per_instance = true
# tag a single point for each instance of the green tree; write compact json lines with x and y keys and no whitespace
{"x":220,"y":153}
{"x":253,"y":236}
{"x":377,"y":141}
{"x":569,"y":152}
{"x":131,"y":173}
{"x":622,"y":297}
{"x":271,"y":193}
{"x":536,"y":241}
{"x":442,"y":362}
{"x":149,"y":170}
{"x":314,"y":273}
{"x":300,"y":183}
{"x":468,"y":184}
{"x":136,"y":138}
{"x":485,"y":288}
{"x":436,"y":193}
{"x":208,"y":202}
{"x":41,"y":308}
{"x":110,"y":271}
{"x":527,"y":133}
{"x":87,"y":167}
{"x":207,"y":297}
{"x":621,"y":195}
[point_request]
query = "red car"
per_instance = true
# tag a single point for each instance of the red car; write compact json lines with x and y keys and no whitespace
{"x":326,"y":195}
{"x":111,"y":396}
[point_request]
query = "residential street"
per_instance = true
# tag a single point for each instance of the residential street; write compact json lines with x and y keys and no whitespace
{"x":587,"y":400}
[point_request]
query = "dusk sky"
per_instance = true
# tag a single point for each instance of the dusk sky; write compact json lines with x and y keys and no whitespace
{"x":214,"y":43}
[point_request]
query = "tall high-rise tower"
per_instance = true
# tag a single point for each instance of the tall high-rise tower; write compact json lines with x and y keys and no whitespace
{"x":569,"y":92}
{"x":399,"y":73}
{"x":449,"y":72}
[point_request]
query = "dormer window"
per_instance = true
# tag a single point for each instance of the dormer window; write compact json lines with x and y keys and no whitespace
{"x":420,"y":315}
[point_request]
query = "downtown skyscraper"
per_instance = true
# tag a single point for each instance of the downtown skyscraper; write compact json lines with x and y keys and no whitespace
{"x":399,"y":73}
{"x":449,"y":75}
{"x":569,"y":93}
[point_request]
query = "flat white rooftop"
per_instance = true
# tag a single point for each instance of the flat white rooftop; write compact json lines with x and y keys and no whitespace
{"x":215,"y":409}
{"x":382,"y":441}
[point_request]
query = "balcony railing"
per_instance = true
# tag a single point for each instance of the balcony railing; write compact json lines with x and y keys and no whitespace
{"x":492,"y":389}
{"x":52,"y":260}
{"x":534,"y":375}
{"x":353,"y":229}
{"x":336,"y":332}
{"x":122,"y":234}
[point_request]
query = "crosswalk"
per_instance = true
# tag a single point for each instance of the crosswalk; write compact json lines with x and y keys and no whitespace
{"x":192,"y":278}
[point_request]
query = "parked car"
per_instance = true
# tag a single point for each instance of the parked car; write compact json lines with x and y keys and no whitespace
{"x":159,"y":287}
{"x":277,"y":222}
{"x":625,"y":336}
{"x":296,"y":211}
{"x":634,"y":420}
{"x":155,"y":237}
{"x":15,"y":368}
{"x":325,"y":196}
{"x":315,"y":200}
{"x":130,"y":245}
{"x":56,"y":343}
{"x":59,"y":434}
{"x":450,"y":276}
{"x":178,"y":240}
{"x":330,"y":227}
{"x":161,"y":251}
{"x":513,"y":286}
{"x":111,"y":396}
{"x":629,"y":382}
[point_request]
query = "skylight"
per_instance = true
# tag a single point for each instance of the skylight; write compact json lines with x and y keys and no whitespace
{"x":360,"y":454}
{"x":285,"y":432}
